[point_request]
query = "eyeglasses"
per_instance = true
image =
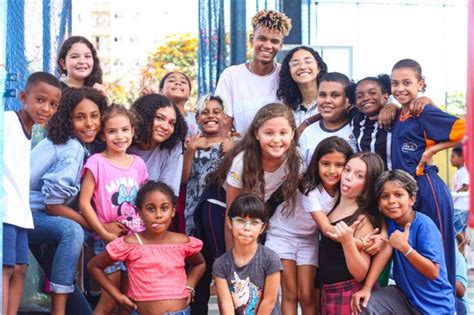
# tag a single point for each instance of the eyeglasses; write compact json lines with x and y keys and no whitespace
{"x":253,"y":224}
{"x":296,"y":63}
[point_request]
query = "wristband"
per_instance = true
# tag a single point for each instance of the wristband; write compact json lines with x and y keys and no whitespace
{"x":408,"y":251}
{"x":363,"y":243}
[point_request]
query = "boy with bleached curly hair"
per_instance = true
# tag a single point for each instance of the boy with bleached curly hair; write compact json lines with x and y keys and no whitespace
{"x":245,"y":88}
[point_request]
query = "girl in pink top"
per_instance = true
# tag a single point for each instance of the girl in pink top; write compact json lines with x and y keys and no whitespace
{"x":110,"y":182}
{"x":155,"y":258}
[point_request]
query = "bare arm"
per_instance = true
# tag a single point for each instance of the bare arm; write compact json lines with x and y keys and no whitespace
{"x":196,"y":270}
{"x":231,"y":194}
{"x":357,"y":261}
{"x":224,"y":297}
{"x":270,"y":294}
{"x":399,"y":241}
{"x":96,"y":268}
{"x":187,"y":164}
{"x":67,"y":212}
{"x":427,"y":156}
{"x":460,"y":289}
{"x":85,"y":197}
{"x":464,"y":187}
{"x":378,"y":263}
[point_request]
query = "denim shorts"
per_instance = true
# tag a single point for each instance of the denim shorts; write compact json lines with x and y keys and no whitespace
{"x":186,"y":311}
{"x":460,"y":220}
{"x":15,"y":245}
{"x":99,"y":247}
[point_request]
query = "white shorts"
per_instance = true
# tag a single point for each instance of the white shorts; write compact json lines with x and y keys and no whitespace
{"x":303,"y":250}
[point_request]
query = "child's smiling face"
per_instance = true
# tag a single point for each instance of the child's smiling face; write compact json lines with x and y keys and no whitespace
{"x":79,"y":62}
{"x":405,"y":85}
{"x":395,"y":202}
{"x":332,"y":101}
{"x":210,"y":119}
{"x":41,"y":101}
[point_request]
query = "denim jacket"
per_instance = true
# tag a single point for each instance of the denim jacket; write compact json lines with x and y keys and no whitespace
{"x":55,"y":173}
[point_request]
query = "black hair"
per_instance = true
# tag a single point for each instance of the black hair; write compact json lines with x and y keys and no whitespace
{"x":382,"y":80}
{"x":248,"y":205}
{"x":458,"y":150}
{"x":96,"y":73}
{"x":288,"y":90}
{"x":151,"y":186}
{"x":311,"y":179}
{"x":40,"y":76}
{"x":402,"y":178}
{"x":60,"y":128}
{"x":205,"y":99}
{"x":145,"y":109}
{"x":414,"y":66}
{"x":163,"y":80}
{"x":347,"y":84}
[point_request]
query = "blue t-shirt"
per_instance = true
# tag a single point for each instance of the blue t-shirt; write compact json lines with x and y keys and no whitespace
{"x":427,"y":296}
{"x":412,"y":135}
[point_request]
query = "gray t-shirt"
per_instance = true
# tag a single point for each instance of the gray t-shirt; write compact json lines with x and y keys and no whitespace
{"x":163,"y":165}
{"x":246,"y":283}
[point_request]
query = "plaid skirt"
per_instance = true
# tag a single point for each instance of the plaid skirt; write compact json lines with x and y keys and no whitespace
{"x":336,"y":298}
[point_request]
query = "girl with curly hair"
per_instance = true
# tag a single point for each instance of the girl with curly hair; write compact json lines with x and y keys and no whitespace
{"x":56,"y":164}
{"x":159,"y":138}
{"x":300,"y":74}
{"x":78,"y":63}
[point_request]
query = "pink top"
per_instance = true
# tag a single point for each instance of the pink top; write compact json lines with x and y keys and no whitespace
{"x":155,"y":271}
{"x":116,"y":189}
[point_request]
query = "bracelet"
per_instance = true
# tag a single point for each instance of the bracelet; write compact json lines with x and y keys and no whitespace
{"x":191,"y":289}
{"x":408,"y":251}
{"x":363,"y":243}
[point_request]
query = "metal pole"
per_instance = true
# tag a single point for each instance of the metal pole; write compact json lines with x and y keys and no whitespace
{"x":238,"y":32}
{"x":292,"y":8}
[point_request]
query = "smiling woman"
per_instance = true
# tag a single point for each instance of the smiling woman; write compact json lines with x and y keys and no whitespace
{"x":159,"y":140}
{"x":301,"y":71}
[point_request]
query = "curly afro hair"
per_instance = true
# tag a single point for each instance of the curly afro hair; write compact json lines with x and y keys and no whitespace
{"x":272,"y":20}
{"x":60,"y":128}
{"x":145,"y":109}
{"x":288,"y":90}
{"x":96,"y":74}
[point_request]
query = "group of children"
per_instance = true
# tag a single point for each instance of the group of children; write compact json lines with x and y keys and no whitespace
{"x":168,"y":199}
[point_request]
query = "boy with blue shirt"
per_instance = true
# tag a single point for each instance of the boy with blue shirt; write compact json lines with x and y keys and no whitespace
{"x":40,"y":101}
{"x":419,"y":266}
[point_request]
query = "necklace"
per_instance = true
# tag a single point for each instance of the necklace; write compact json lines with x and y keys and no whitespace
{"x":250,"y":64}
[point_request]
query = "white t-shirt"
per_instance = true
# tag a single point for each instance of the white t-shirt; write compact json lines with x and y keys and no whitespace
{"x":461,"y":177}
{"x":303,"y":113}
{"x":244,"y":93}
{"x":300,"y":223}
{"x":16,"y":173}
{"x":315,"y":133}
{"x":273,"y":180}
